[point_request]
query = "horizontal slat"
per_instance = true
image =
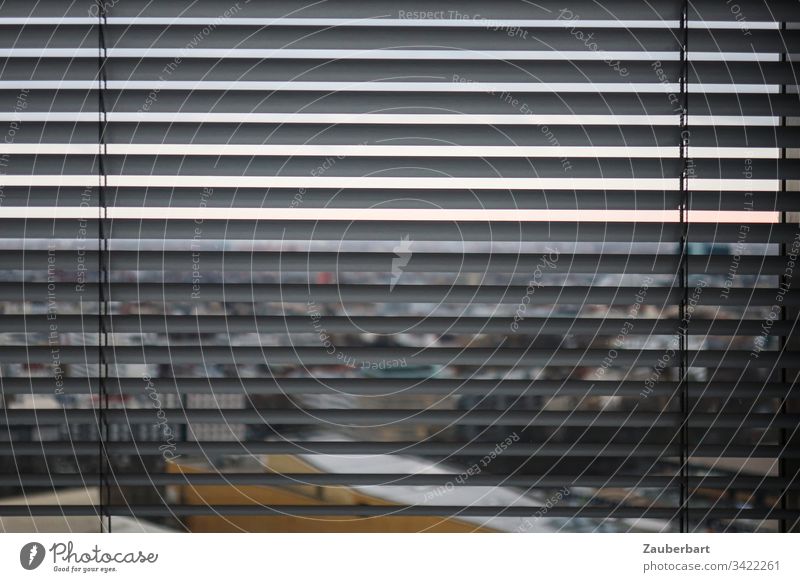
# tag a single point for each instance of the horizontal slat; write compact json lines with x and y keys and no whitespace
{"x":476,"y":198}
{"x":356,"y":479}
{"x":409,"y":12}
{"x":345,"y":9}
{"x":344,"y":293}
{"x":205,"y":324}
{"x":523,"y":264}
{"x":376,"y":136}
{"x":376,"y":387}
{"x":560,"y":511}
{"x":377,"y":417}
{"x":237,"y":102}
{"x":319,"y":479}
{"x":309,"y":168}
{"x":397,"y":230}
{"x":52,"y":71}
{"x":392,"y":358}
{"x":440,"y":449}
{"x":365,"y":36}
{"x":397,"y":479}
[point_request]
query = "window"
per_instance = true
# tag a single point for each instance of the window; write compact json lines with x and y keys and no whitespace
{"x":408,"y":266}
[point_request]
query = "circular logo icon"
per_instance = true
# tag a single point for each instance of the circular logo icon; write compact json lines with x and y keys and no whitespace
{"x":31,"y":555}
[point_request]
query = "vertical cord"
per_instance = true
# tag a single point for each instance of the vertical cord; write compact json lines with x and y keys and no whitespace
{"x":784,"y":434}
{"x":102,"y":272}
{"x":683,"y":328}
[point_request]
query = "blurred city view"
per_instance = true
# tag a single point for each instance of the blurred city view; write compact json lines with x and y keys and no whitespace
{"x":342,"y":328}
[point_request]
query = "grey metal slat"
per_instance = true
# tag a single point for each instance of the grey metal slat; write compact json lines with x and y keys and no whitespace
{"x":392,"y":358}
{"x":379,"y":417}
{"x":439,"y":9}
{"x":297,"y":324}
{"x":303,"y":102}
{"x":305,"y":168}
{"x":364,"y":36}
{"x":333,"y":510}
{"x":305,"y":134}
{"x":344,"y":9}
{"x":377,"y":387}
{"x":330,"y":479}
{"x":521,"y":449}
{"x":256,"y":262}
{"x":431,"y":102}
{"x":396,"y":230}
{"x":348,"y":294}
{"x":560,"y":511}
{"x":152,"y":479}
{"x":476,"y":198}
{"x":323,"y":70}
